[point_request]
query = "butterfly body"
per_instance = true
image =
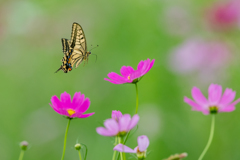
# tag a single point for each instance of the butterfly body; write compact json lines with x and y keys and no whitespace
{"x":75,"y":49}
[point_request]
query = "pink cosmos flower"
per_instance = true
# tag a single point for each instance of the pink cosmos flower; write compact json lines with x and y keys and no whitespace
{"x":129,"y":75}
{"x":224,"y":15}
{"x":206,"y":60}
{"x":71,"y":109}
{"x":116,"y":115}
{"x":118,"y":128}
{"x":140,"y":150}
{"x":197,"y":55}
{"x":216,"y":101}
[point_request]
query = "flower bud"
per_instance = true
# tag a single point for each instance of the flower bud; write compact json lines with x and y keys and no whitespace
{"x":24,"y":145}
{"x":78,"y":146}
{"x":177,"y":156}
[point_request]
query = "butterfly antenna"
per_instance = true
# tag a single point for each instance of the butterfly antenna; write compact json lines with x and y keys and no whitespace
{"x":93,"y":47}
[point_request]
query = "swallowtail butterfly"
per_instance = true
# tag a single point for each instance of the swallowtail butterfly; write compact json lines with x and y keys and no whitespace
{"x":75,"y":49}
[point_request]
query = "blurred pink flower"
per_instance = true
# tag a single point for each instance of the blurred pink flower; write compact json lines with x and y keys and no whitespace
{"x":129,"y":75}
{"x":202,"y":57}
{"x":224,"y":15}
{"x":74,"y":109}
{"x":140,"y":150}
{"x":116,"y":115}
{"x":216,"y":101}
{"x":118,"y":128}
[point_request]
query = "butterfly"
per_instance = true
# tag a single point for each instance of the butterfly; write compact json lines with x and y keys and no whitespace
{"x":75,"y":49}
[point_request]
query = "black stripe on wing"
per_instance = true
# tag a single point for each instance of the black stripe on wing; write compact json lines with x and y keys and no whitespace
{"x":65,"y":46}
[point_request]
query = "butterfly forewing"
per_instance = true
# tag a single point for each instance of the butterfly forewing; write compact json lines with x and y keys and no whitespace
{"x":78,"y":40}
{"x":78,"y":43}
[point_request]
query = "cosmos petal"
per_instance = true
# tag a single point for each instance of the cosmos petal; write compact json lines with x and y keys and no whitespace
{"x":122,"y":148}
{"x":199,"y":97}
{"x":84,"y":106}
{"x":126,"y":71}
{"x":104,"y":132}
{"x":86,"y":115}
{"x":228,"y":96}
{"x":214,"y":94}
{"x":124,"y":122}
{"x":77,"y":100}
{"x":133,"y":122}
{"x":66,"y":100}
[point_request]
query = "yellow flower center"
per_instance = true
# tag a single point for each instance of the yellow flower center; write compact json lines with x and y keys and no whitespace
{"x":70,"y":111}
{"x":129,"y":77}
{"x":213,"y":109}
{"x":122,"y":134}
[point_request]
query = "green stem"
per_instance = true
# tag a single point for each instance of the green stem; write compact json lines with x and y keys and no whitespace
{"x":85,"y":156}
{"x":114,"y":155}
{"x":79,"y":153}
{"x":122,"y":154}
{"x":21,"y":155}
{"x":115,"y":152}
{"x":119,"y":141}
{"x":135,"y":112}
{"x":65,"y":139}
{"x":136,"y":98}
{"x":209,"y":140}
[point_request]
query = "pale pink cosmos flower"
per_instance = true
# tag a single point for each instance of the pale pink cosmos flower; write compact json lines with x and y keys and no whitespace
{"x":118,"y":128}
{"x":71,"y":109}
{"x":116,"y":115}
{"x":129,"y":75}
{"x":224,"y":15}
{"x":206,"y":60}
{"x":197,"y":55}
{"x":215,"y":103}
{"x":140,"y":150}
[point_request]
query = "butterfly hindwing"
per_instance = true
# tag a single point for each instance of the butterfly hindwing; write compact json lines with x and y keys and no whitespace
{"x":65,"y":45}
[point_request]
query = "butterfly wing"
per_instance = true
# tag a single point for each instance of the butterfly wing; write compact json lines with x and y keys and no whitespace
{"x":66,"y":61}
{"x":78,"y":44}
{"x":65,"y":46}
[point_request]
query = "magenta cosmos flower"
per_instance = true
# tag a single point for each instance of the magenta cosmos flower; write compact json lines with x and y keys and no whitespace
{"x":129,"y":75}
{"x":216,"y":101}
{"x":120,"y":127}
{"x":140,"y":150}
{"x":71,"y":109}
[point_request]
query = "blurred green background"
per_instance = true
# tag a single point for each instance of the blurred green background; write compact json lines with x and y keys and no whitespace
{"x":127,"y":32}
